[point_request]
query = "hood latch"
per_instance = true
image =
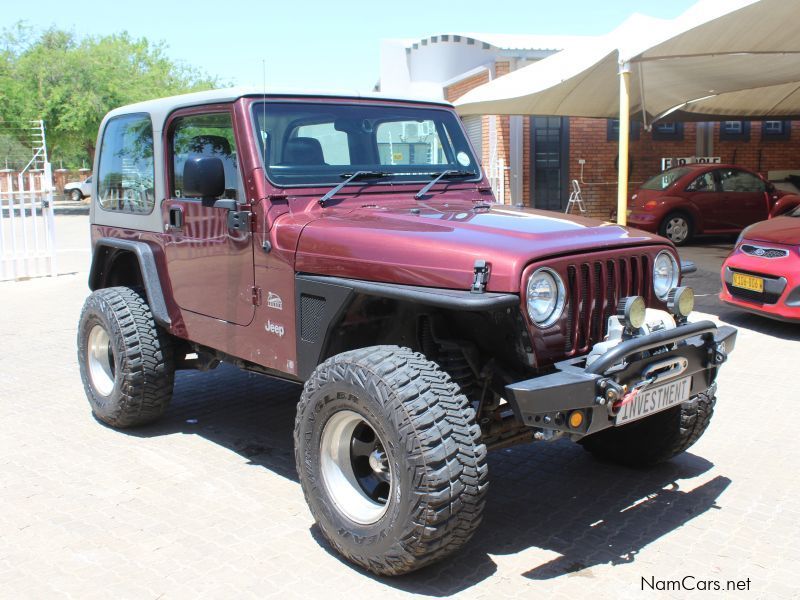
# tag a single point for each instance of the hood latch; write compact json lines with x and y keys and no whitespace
{"x":480,"y":277}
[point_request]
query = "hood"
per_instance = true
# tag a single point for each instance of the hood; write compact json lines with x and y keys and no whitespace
{"x":437,"y":244}
{"x":780,"y":230}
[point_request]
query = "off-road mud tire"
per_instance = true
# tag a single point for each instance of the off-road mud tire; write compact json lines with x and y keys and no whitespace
{"x":144,"y":368}
{"x":654,"y":439}
{"x":439,"y":469}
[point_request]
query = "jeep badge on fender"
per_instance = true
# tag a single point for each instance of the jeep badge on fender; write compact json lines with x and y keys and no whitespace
{"x":352,"y":244}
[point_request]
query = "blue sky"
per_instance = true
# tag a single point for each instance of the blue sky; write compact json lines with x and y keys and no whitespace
{"x":316,"y":44}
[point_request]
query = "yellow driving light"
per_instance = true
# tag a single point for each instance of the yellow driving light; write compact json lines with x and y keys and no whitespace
{"x":632,"y":311}
{"x":680,"y":301}
{"x":575,"y":419}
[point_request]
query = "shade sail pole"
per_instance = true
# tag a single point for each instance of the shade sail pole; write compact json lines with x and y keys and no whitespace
{"x":624,"y":136}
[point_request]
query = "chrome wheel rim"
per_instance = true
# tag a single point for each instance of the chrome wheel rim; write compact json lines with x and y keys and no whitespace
{"x":355,"y":467}
{"x":100,"y":356}
{"x":677,"y":229}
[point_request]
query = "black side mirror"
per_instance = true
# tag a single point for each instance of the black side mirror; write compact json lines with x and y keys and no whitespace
{"x":204,"y":178}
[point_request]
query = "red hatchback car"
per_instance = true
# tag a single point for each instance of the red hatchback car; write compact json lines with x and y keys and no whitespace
{"x":701,"y":198}
{"x":762,"y":274}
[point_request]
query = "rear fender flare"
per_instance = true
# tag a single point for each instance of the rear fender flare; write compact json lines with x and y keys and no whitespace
{"x":105,"y":251}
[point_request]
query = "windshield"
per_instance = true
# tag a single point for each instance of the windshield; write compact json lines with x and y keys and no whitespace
{"x":314,"y":143}
{"x":663,"y":180}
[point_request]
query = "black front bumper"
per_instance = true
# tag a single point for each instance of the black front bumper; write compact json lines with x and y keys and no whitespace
{"x":597,"y":390}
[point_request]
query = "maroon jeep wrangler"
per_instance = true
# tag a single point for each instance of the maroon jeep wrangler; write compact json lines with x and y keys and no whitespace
{"x":352,"y":244}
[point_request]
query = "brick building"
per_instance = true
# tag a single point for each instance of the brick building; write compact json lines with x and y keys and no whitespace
{"x":531,"y":160}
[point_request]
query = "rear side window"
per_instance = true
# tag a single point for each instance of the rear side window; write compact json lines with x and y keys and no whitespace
{"x":126,"y":174}
{"x":334,"y":144}
{"x":734,"y":180}
{"x":205,"y":135}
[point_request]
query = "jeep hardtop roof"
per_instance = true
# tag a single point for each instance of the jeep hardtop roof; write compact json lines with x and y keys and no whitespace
{"x":161,"y":107}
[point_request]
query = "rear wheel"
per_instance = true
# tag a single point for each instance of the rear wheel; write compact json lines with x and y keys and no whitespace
{"x":654,"y":439}
{"x":75,"y":195}
{"x":126,"y":360}
{"x":677,"y":227}
{"x":389,"y":459}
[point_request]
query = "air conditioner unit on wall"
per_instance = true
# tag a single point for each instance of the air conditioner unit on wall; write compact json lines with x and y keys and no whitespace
{"x":411,"y":132}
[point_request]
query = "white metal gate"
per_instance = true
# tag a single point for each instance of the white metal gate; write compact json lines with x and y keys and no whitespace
{"x":27,"y":224}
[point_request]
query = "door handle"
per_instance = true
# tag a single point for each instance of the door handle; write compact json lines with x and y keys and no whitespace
{"x":175,"y":218}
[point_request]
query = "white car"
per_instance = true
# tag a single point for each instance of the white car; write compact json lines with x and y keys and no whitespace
{"x":77,"y":190}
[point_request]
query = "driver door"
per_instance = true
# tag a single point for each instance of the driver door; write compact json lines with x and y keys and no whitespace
{"x":704,"y":193}
{"x":210,"y":266}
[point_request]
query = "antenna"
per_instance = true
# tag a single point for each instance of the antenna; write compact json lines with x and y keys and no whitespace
{"x":264,"y":111}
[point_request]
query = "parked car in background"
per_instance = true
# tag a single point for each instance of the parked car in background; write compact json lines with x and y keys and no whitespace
{"x":77,"y":190}
{"x":762,"y":274}
{"x":696,"y":199}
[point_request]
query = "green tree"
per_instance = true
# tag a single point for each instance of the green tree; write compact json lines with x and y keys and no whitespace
{"x":72,"y":82}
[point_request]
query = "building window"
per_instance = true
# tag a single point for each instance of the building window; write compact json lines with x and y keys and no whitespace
{"x":776,"y":130}
{"x":612,"y":130}
{"x":734,"y":130}
{"x":668,"y":131}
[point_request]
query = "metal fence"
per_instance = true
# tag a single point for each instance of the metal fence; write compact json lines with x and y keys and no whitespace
{"x":27,"y":224}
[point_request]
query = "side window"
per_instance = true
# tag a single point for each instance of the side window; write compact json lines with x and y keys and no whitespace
{"x":204,"y":135}
{"x":409,"y":143}
{"x":734,"y":180}
{"x":324,"y":139}
{"x":126,"y":174}
{"x":704,"y":183}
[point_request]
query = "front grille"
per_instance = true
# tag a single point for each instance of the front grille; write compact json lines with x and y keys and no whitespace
{"x":762,"y":297}
{"x":595,"y":288}
{"x":764,"y":252}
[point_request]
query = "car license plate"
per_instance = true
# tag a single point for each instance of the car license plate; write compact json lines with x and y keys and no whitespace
{"x":654,"y":399}
{"x":748,"y":282}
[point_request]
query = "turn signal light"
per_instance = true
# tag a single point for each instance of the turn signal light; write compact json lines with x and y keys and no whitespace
{"x":650,"y":204}
{"x":575,"y":419}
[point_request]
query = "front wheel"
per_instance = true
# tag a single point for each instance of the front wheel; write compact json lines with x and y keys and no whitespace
{"x":654,"y":439}
{"x":75,"y":195}
{"x":389,"y":459}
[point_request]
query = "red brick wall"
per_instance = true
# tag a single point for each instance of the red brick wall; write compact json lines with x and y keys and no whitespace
{"x":588,"y":140}
{"x":599,"y":185}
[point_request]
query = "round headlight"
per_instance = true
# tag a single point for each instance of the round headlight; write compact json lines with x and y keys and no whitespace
{"x":545,"y":297}
{"x":665,"y":274}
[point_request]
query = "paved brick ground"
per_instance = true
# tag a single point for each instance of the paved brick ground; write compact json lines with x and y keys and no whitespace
{"x":212,"y":508}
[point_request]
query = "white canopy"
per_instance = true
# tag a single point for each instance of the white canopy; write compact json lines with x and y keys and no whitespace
{"x":721,"y":57}
{"x":713,"y":48}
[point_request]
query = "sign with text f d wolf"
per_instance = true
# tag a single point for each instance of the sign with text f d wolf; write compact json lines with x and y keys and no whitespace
{"x":668,"y":163}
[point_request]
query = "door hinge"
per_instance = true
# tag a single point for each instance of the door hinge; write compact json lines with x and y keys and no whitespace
{"x":239,"y":220}
{"x":480,"y":276}
{"x":256,"y":295}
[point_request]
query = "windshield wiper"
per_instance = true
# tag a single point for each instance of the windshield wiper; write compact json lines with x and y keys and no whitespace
{"x":351,"y":177}
{"x":443,"y":174}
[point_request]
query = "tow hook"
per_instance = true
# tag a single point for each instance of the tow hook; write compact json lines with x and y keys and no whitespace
{"x":718,"y":354}
{"x":610,"y":392}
